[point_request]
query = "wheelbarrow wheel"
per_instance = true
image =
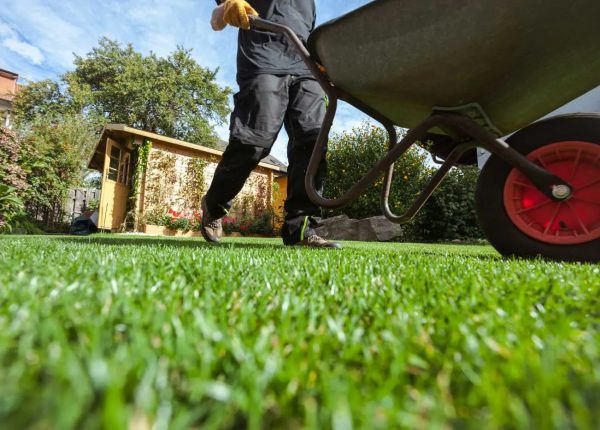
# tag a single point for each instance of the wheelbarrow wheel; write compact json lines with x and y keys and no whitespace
{"x":519,"y":220}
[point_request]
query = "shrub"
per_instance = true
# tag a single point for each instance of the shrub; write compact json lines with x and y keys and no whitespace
{"x":352,"y":154}
{"x":11,"y":173}
{"x":24,"y":224}
{"x":230,"y":224}
{"x":262,"y":223}
{"x":10,"y":206}
{"x":448,"y":215}
{"x":259,"y":224}
{"x":245,"y":226}
{"x":53,"y":153}
{"x":173,"y":220}
{"x":450,"y":212}
{"x":92,"y":205}
{"x":177,"y":223}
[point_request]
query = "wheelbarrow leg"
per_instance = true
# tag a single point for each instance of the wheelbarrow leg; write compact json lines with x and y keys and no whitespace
{"x":376,"y":171}
{"x":431,"y":186}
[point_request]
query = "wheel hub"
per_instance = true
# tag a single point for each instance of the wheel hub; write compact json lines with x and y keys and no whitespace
{"x":561,"y":192}
{"x":575,"y":217}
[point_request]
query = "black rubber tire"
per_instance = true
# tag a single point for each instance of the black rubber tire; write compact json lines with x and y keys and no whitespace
{"x":489,"y":196}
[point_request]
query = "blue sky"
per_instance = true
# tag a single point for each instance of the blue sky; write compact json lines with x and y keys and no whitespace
{"x":39,"y":37}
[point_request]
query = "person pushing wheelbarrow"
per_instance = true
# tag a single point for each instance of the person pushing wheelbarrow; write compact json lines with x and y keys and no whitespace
{"x":275,"y":89}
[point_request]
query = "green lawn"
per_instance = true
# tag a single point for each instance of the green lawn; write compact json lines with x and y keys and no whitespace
{"x":127,"y":331}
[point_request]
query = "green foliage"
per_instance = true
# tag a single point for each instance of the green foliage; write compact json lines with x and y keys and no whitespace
{"x":352,"y":154}
{"x":10,"y":206}
{"x":54,"y":157}
{"x":140,"y":162}
{"x":193,"y":182}
{"x":448,"y":215}
{"x":259,"y":224}
{"x":262,"y":223}
{"x":179,"y":334}
{"x":11,"y":172}
{"x":180,"y":223}
{"x":230,"y":224}
{"x":450,"y":212}
{"x":44,"y":160}
{"x":92,"y":205}
{"x":24,"y":224}
{"x":173,"y":96}
{"x":173,"y":220}
{"x":41,"y":99}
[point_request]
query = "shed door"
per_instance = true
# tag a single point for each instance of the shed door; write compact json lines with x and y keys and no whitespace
{"x":115,"y":186}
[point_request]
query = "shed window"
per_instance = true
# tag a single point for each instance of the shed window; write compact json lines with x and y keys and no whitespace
{"x":113,"y":167}
{"x":118,"y":167}
{"x":124,"y":170}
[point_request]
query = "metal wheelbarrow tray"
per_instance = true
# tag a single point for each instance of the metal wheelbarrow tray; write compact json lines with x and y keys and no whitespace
{"x":476,"y":71}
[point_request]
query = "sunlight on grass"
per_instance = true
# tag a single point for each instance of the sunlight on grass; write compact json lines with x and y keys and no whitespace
{"x":131,"y":331}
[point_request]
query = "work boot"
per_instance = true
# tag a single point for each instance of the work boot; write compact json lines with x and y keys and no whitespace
{"x":315,"y":241}
{"x":211,"y":228}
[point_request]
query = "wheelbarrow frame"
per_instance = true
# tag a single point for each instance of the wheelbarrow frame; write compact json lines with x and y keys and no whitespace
{"x":548,"y":183}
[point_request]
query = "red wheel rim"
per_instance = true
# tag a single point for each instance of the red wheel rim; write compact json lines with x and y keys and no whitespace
{"x":573,"y":221}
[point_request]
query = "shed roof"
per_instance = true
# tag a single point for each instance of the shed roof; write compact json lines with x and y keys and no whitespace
{"x":122,"y":132}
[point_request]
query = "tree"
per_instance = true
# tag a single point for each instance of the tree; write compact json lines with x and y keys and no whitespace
{"x":40,"y":99}
{"x":58,"y":122}
{"x":173,"y":96}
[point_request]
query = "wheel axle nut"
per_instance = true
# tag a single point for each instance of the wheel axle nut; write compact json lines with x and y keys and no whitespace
{"x":561,"y":191}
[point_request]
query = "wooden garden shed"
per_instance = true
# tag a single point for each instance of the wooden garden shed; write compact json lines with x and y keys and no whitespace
{"x":146,"y":175}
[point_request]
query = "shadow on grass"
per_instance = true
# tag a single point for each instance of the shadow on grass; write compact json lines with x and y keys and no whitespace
{"x":167,"y":242}
{"x":199,"y":243}
{"x":443,"y":253}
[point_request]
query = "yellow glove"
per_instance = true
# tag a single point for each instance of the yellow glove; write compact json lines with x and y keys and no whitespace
{"x":236,"y":13}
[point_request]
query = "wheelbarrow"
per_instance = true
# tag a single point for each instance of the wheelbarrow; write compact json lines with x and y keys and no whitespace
{"x":474,"y":71}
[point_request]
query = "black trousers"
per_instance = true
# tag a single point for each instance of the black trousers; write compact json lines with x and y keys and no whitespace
{"x":263,"y":105}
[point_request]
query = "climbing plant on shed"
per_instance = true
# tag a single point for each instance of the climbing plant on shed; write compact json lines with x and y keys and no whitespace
{"x":140,"y":163}
{"x":194,"y":184}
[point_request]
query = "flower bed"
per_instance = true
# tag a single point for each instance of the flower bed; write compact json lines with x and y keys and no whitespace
{"x":261,"y":225}
{"x":173,"y":223}
{"x":161,"y":230}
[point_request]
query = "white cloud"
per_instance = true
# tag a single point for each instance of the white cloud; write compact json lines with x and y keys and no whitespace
{"x":5,"y":30}
{"x":55,"y":35}
{"x":24,"y":49}
{"x":50,"y":31}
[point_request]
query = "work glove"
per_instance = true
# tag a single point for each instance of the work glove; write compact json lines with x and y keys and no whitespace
{"x":216,"y":21}
{"x":235,"y":12}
